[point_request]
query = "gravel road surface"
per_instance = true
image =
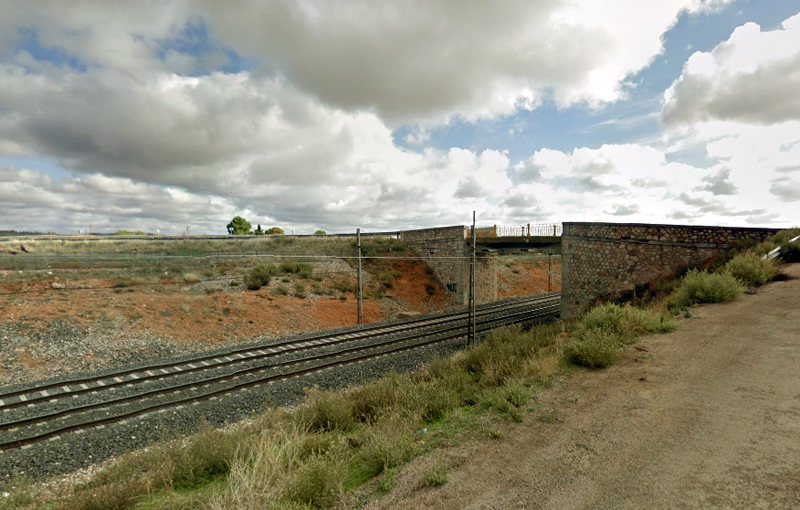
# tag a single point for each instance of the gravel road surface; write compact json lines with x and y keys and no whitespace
{"x":707,"y":417}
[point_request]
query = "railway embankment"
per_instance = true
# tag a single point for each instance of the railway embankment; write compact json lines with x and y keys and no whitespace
{"x":47,"y":427}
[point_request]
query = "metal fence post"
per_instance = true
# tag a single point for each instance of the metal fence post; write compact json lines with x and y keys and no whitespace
{"x":358,"y":277}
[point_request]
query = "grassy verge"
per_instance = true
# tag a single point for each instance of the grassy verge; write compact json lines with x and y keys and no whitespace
{"x":336,"y":441}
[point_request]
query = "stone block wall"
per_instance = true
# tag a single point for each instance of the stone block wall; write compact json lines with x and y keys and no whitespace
{"x":603,"y":261}
{"x":443,"y":249}
{"x":446,"y":252}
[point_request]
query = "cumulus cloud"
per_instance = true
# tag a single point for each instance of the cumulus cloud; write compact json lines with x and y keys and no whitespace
{"x":719,"y":184}
{"x":30,"y":200}
{"x":172,"y":113}
{"x":623,"y":210}
{"x":407,"y":62}
{"x":752,"y":77}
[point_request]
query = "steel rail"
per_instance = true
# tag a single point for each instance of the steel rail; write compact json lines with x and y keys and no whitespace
{"x":232,"y":375}
{"x":225,"y":360}
{"x":544,"y":311}
{"x":361,"y":333}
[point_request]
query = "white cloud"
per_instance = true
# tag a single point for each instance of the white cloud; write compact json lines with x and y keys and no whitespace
{"x":639,"y":184}
{"x":421,"y":60}
{"x":154,"y":135}
{"x":752,"y":77}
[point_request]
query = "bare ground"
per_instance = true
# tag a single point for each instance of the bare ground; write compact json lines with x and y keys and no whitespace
{"x":705,"y":417}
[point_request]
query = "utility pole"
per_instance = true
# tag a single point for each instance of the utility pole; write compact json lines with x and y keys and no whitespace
{"x":358,"y":276}
{"x":471,"y":329}
{"x":549,"y":271}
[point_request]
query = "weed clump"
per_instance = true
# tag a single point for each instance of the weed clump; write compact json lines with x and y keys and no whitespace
{"x":325,"y":411}
{"x":751,"y":269}
{"x":280,"y":290}
{"x":435,"y":476}
{"x":385,"y":278}
{"x":625,"y":322}
{"x":505,"y":350}
{"x":702,"y":287}
{"x":317,"y":482}
{"x":389,"y":444}
{"x":342,"y":285}
{"x":596,"y":348}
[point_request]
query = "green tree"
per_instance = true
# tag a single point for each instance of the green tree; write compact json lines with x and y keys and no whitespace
{"x":275,"y":231}
{"x":320,"y":233}
{"x":258,"y":231}
{"x":239,"y":226}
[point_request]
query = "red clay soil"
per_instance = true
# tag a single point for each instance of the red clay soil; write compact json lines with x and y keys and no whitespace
{"x":181,"y":314}
{"x":518,"y":276}
{"x":204,"y":315}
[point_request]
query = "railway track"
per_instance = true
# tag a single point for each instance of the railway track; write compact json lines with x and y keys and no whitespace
{"x":48,"y":411}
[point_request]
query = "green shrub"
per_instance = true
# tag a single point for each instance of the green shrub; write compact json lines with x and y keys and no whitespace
{"x":775,"y":240}
{"x":342,"y":285}
{"x":507,"y":399}
{"x":317,"y":444}
{"x":432,"y":400}
{"x":751,"y":269}
{"x":790,"y":252}
{"x":107,"y":497}
{"x":370,"y":401}
{"x":385,"y":279}
{"x":260,"y":275}
{"x":302,"y":269}
{"x":702,"y":287}
{"x":280,"y":290}
{"x":597,"y":348}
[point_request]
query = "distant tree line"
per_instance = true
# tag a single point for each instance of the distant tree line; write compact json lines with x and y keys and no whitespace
{"x":241,"y":227}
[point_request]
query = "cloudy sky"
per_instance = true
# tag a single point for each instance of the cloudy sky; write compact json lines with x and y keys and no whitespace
{"x":310,"y":114}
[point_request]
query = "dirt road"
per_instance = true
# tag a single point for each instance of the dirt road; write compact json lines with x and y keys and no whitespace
{"x":708,"y":417}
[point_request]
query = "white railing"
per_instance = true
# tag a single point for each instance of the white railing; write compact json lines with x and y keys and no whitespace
{"x":538,"y":229}
{"x":774,"y":254}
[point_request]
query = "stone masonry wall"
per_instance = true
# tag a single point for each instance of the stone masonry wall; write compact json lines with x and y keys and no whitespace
{"x":485,"y":278}
{"x":442,"y":248}
{"x":446,"y":252}
{"x":602,"y":261}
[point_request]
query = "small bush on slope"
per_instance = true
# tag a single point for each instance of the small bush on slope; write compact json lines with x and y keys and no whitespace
{"x":702,"y":287}
{"x":751,"y":269}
